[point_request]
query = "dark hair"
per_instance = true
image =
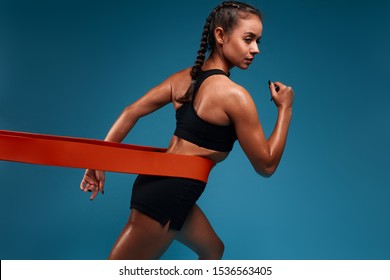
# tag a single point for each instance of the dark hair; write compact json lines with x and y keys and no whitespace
{"x":225,"y":15}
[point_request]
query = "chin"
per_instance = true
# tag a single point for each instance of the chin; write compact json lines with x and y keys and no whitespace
{"x":243,"y":67}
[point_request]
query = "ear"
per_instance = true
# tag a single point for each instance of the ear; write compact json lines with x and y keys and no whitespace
{"x":219,"y":35}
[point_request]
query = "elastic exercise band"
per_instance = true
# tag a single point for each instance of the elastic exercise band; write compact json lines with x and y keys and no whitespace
{"x":100,"y":155}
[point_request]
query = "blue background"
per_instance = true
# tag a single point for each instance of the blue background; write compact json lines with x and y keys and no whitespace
{"x":70,"y":67}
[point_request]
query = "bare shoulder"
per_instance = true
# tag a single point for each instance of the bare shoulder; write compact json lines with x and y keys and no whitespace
{"x":237,"y":97}
{"x":180,"y":76}
{"x":179,"y":82}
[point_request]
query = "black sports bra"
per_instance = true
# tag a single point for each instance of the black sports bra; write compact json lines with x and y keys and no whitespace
{"x":190,"y":127}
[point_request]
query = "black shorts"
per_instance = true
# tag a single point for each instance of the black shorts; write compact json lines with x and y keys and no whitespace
{"x":166,"y":198}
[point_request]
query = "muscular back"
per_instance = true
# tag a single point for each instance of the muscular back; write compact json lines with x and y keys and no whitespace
{"x":209,"y":105}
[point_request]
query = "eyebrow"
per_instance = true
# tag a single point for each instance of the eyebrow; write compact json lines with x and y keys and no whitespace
{"x":252,"y":34}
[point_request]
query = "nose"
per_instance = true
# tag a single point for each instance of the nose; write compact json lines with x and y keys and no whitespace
{"x":255,"y":48}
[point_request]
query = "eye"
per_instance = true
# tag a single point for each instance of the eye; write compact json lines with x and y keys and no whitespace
{"x":248,"y":40}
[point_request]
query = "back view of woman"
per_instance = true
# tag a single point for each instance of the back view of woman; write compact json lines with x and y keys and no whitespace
{"x":212,"y":113}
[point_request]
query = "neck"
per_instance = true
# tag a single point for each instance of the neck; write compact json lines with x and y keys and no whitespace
{"x":215,"y":61}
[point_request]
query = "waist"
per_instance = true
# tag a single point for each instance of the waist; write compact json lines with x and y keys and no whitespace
{"x":184,"y":147}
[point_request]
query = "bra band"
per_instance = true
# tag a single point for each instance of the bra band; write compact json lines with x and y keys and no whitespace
{"x":100,"y":155}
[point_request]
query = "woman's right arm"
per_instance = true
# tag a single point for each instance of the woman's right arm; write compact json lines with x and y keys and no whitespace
{"x":264,"y":154}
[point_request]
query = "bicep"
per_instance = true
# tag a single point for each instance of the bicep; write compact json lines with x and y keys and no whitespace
{"x":154,"y":99}
{"x":250,"y":134}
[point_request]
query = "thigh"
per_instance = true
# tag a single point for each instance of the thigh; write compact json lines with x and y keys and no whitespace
{"x":166,"y":198}
{"x":198,"y":234}
{"x":142,"y":238}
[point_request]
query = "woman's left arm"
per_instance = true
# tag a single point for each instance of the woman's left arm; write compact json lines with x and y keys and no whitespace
{"x":154,"y":99}
{"x":157,"y":97}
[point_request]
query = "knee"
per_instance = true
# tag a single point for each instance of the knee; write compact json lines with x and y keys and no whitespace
{"x":214,"y":251}
{"x":219,"y":249}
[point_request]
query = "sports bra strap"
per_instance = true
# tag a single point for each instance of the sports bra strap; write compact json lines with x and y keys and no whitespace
{"x":204,"y":75}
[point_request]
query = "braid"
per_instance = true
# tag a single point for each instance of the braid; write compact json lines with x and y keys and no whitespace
{"x":218,"y":17}
{"x":197,"y":67}
{"x":204,"y":44}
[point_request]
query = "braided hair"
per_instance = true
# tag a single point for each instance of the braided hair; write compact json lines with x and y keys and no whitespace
{"x":225,"y":15}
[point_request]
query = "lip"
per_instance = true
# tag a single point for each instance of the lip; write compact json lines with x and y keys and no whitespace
{"x":250,"y":60}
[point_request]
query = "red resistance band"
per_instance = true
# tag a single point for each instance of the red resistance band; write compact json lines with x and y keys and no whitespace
{"x":100,"y":155}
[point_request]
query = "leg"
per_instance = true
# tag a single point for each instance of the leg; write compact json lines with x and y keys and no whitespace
{"x":198,"y":234}
{"x":142,"y":238}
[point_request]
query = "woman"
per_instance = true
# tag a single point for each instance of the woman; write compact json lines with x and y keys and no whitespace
{"x":212,"y":113}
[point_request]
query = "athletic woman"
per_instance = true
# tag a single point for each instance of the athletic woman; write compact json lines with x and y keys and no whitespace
{"x":212,"y":112}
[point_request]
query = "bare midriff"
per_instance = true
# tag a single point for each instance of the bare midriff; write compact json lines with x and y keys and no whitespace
{"x":183,"y":147}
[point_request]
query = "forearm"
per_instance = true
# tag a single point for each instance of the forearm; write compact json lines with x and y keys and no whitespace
{"x":277,"y":140}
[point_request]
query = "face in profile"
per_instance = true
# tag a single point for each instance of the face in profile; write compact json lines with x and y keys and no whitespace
{"x":240,"y":46}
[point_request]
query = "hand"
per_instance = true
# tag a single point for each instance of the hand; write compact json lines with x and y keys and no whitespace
{"x":284,"y":97}
{"x":93,"y":181}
